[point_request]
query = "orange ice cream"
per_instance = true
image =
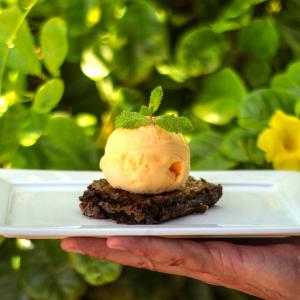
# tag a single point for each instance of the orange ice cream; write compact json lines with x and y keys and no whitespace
{"x":147,"y":160}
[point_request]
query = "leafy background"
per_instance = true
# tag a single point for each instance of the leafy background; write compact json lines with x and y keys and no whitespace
{"x":68,"y":67}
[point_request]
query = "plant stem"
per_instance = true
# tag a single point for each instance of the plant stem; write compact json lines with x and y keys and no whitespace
{"x":11,"y":40}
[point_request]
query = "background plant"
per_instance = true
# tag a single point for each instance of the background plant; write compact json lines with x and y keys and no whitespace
{"x":67,"y":67}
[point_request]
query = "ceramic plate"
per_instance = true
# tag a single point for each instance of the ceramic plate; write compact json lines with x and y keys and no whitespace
{"x":44,"y":204}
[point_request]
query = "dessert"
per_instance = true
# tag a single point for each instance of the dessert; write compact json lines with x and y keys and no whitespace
{"x":146,"y":165}
{"x":146,"y":160}
{"x":101,"y":200}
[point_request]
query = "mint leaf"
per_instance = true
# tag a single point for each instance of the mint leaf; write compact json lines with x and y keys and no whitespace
{"x":174,"y":124}
{"x":145,"y":111}
{"x":129,"y":119}
{"x":155,"y":99}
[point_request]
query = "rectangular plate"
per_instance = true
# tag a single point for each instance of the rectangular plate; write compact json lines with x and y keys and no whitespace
{"x":44,"y":204}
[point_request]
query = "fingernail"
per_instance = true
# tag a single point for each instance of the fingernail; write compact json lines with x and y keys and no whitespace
{"x":115,"y":243}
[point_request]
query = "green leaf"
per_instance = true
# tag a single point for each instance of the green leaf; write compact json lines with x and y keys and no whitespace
{"x":95,"y":271}
{"x":54,"y":44}
{"x":236,"y":15}
{"x":11,"y":288}
{"x":195,"y":289}
{"x":200,"y":51}
{"x":10,"y":124}
{"x":22,"y":55}
{"x":257,"y":72}
{"x":141,"y":284}
{"x":206,"y":152}
{"x":93,"y":66}
{"x":174,"y":124}
{"x":260,"y":105}
{"x":145,"y":111}
{"x":288,"y":81}
{"x":234,"y":145}
{"x":297,"y":109}
{"x":32,"y":128}
{"x":46,"y":273}
{"x":48,"y":95}
{"x":260,"y":39}
{"x":131,"y":120}
{"x":2,"y":239}
{"x":218,"y":101}
{"x":30,"y":158}
{"x":240,"y":145}
{"x":25,"y":3}
{"x":141,"y":42}
{"x":155,"y":99}
{"x":66,"y":147}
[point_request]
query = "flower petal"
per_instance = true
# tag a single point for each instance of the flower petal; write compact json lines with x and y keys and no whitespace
{"x":289,"y":161}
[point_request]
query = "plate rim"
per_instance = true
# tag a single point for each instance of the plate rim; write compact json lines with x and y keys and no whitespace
{"x":212,"y":230}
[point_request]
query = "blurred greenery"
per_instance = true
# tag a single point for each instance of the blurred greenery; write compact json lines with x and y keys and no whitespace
{"x":68,"y":67}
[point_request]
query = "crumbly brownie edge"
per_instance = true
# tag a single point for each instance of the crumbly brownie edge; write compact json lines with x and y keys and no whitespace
{"x":152,"y":209}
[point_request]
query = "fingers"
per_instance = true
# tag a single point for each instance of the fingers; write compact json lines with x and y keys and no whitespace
{"x":162,"y":251}
{"x":96,"y":247}
{"x":217,"y":263}
{"x":192,"y":256}
{"x":212,"y":262}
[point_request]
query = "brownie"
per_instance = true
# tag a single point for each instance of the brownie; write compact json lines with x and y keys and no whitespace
{"x":101,"y":200}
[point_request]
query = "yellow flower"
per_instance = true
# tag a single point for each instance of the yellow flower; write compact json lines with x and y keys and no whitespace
{"x":281,"y":142}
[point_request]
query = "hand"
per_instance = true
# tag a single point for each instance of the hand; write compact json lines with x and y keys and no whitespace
{"x":266,"y":271}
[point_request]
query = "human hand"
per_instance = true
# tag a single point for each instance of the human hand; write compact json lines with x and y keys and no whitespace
{"x":266,"y":271}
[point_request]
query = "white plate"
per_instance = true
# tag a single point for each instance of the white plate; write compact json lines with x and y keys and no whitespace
{"x":44,"y":204}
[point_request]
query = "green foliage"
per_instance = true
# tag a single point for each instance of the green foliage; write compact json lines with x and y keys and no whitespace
{"x":54,"y":44}
{"x":69,"y":67}
{"x":46,"y":273}
{"x":32,"y":128}
{"x":140,"y":284}
{"x":95,"y":272}
{"x":10,"y":123}
{"x":259,"y":39}
{"x":66,"y":146}
{"x":9,"y":279}
{"x":19,"y":45}
{"x":257,"y":72}
{"x":48,"y":95}
{"x":239,"y":146}
{"x":219,"y":99}
{"x":140,"y":43}
{"x":297,"y":109}
{"x":206,"y":152}
{"x":236,"y":15}
{"x":288,"y":81}
{"x":259,"y":106}
{"x":200,"y":51}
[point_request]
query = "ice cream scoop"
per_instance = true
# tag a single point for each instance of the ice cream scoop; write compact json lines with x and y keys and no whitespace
{"x":147,"y":160}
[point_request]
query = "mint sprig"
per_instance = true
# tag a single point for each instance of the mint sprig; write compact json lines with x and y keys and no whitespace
{"x":128,"y":119}
{"x":155,"y":99}
{"x":145,"y":111}
{"x":174,"y":124}
{"x":145,"y":116}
